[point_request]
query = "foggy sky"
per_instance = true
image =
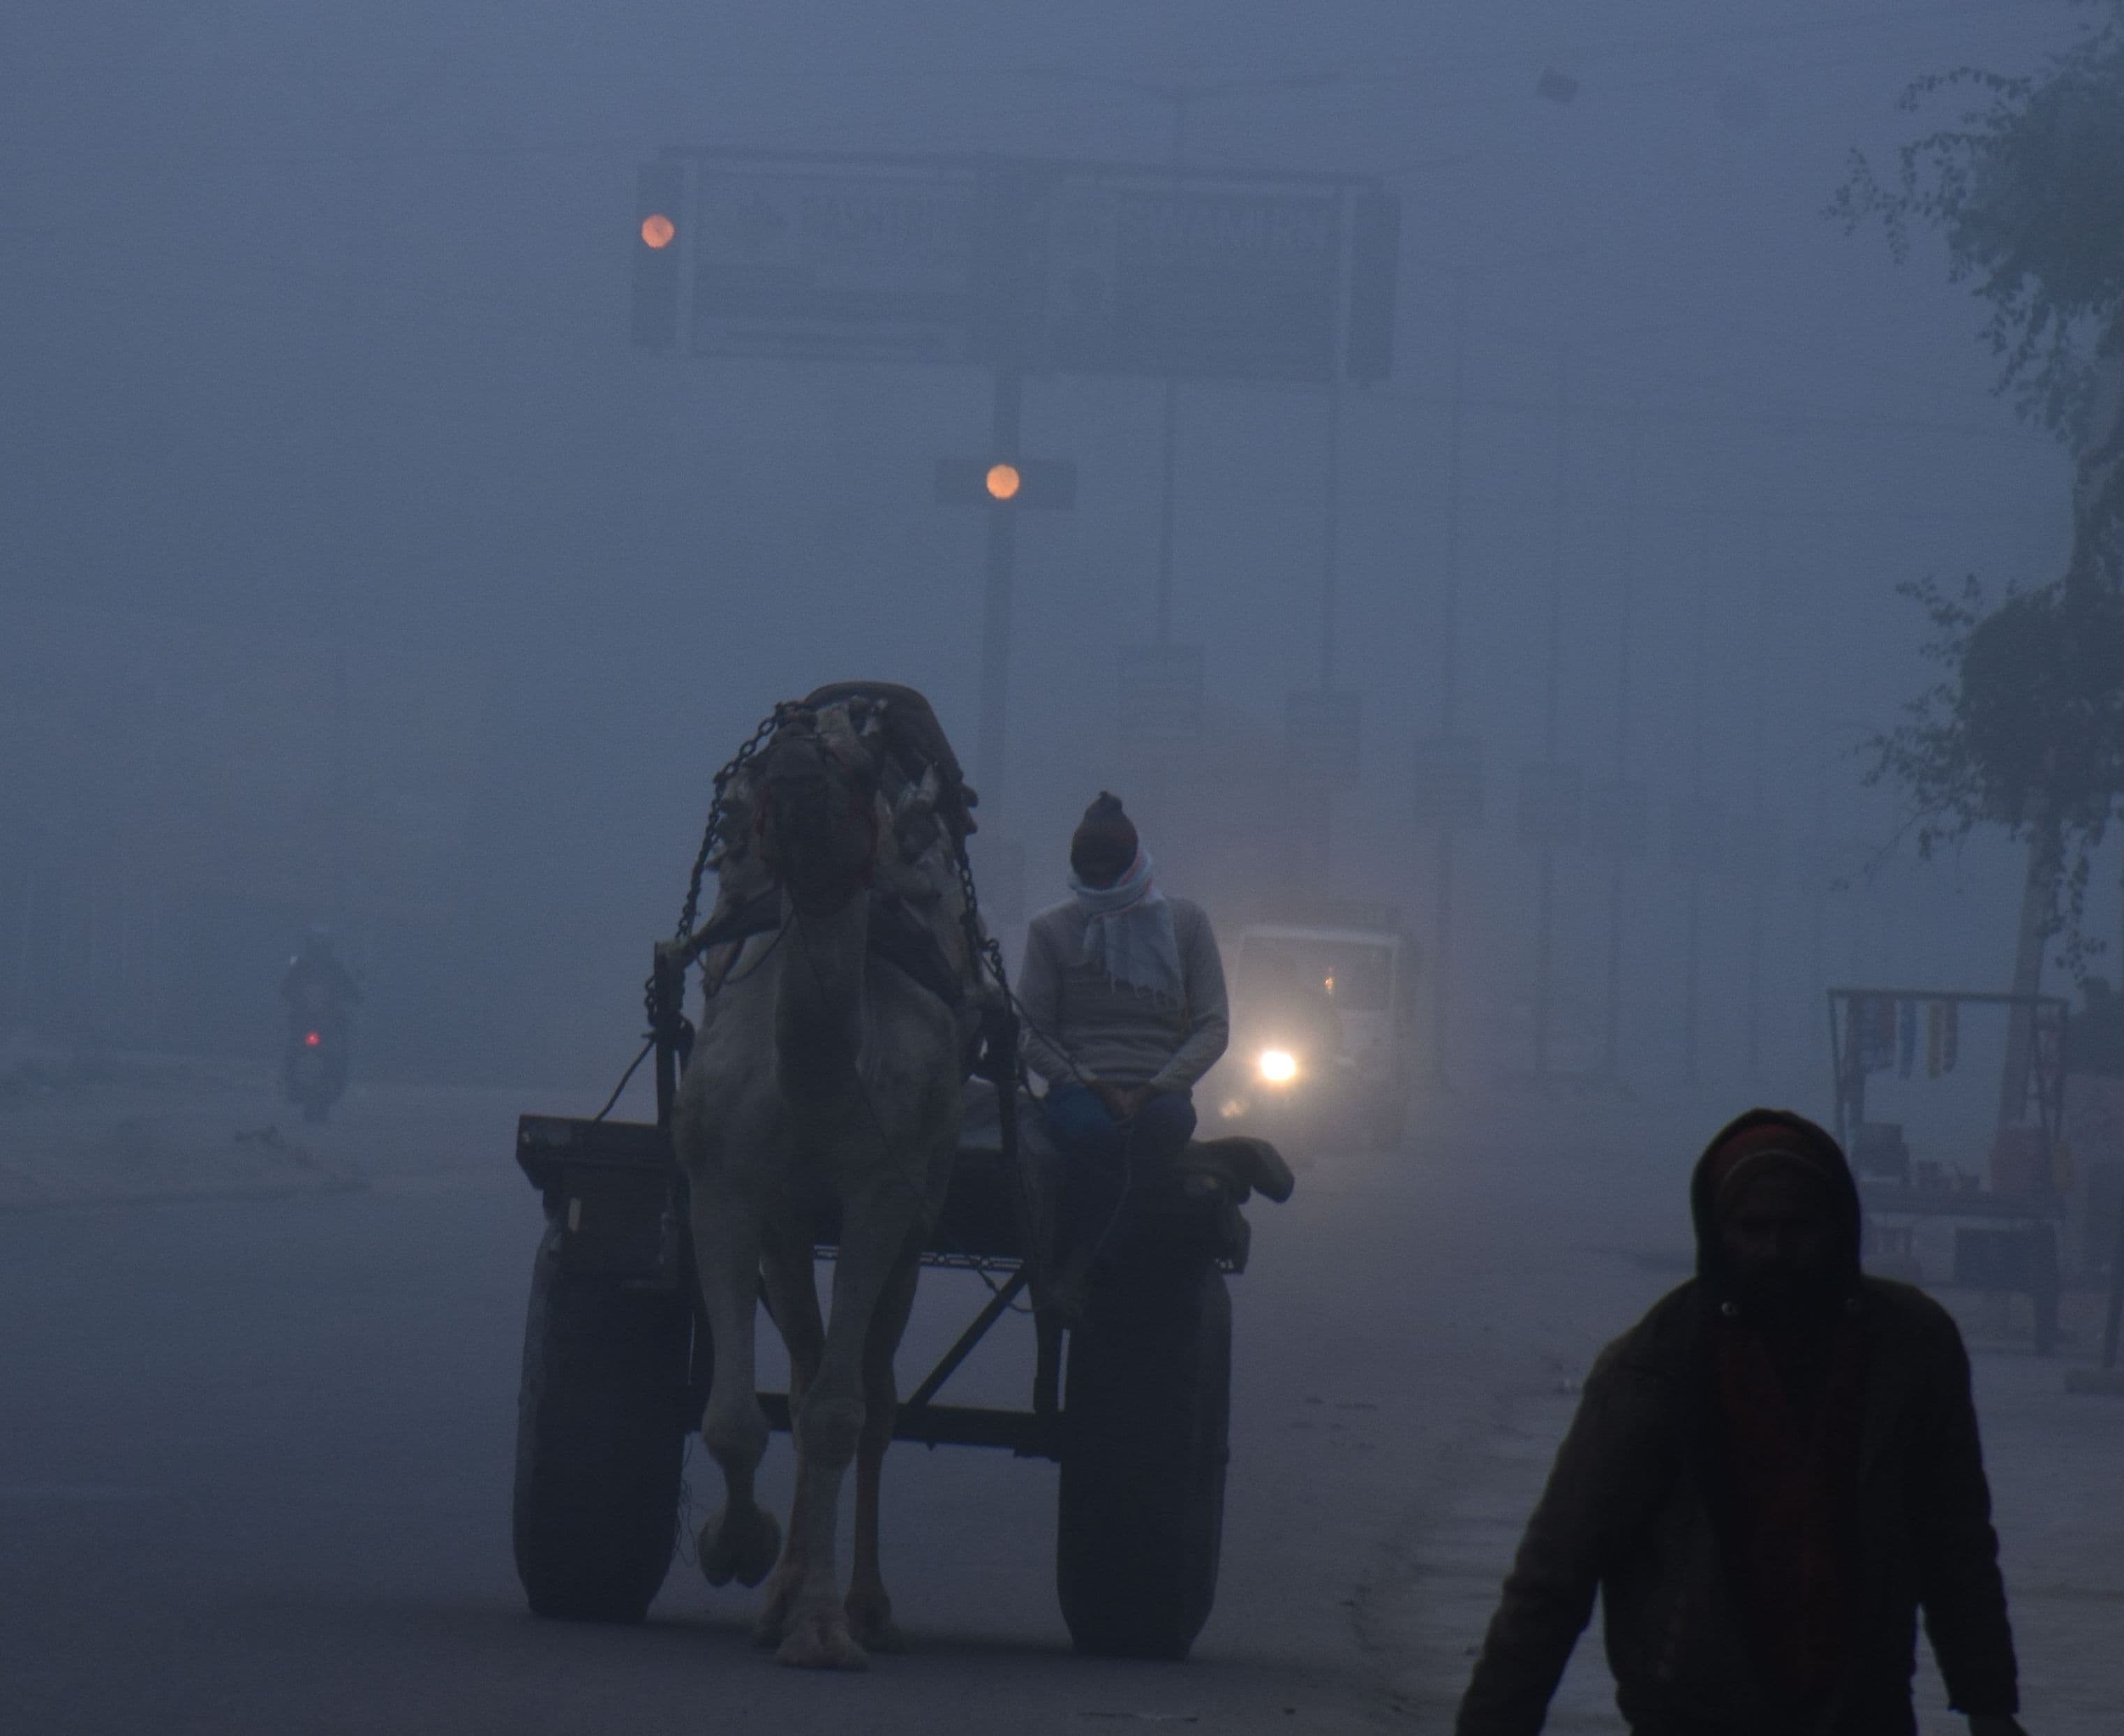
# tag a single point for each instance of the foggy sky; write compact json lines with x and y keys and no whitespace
{"x":313,"y":321}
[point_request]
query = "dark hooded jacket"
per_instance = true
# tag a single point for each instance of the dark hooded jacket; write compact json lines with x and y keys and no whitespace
{"x":1638,"y":1507}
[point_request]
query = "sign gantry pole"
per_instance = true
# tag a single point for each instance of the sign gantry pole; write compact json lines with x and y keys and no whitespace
{"x":998,"y":580}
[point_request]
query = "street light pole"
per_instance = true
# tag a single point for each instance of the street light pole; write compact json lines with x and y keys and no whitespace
{"x":1169,"y":435}
{"x":1754,"y":848}
{"x":1545,"y":916}
{"x":1449,"y":682}
{"x":1612,"y":1047}
{"x":1330,"y":538}
{"x":1695,"y":910}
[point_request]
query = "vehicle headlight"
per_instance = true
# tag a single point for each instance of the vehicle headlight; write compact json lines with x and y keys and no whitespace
{"x":1276,"y":1067}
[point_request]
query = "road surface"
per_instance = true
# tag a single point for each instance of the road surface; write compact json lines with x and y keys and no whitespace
{"x":254,"y":1470}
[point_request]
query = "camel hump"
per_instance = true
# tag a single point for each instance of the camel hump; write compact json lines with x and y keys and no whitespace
{"x":916,"y":739}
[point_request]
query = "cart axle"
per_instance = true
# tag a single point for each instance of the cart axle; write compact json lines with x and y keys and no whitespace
{"x":1024,"y":1433}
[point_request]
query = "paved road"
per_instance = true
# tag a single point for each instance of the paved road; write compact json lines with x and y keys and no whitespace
{"x":254,"y":1464}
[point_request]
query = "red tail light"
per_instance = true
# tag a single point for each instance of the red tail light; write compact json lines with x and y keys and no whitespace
{"x":311,"y":1039}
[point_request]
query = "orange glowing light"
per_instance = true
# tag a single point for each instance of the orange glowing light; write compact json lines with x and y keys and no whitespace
{"x":1003,"y":481}
{"x":311,"y":1039}
{"x":657,"y":230}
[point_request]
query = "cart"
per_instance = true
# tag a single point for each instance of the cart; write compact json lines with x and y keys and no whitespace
{"x":1132,"y":1399}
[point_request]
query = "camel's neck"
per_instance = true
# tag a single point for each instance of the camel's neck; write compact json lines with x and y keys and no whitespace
{"x":818,"y":999}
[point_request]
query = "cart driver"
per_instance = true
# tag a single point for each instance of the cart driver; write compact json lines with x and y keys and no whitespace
{"x":1125,"y":1009}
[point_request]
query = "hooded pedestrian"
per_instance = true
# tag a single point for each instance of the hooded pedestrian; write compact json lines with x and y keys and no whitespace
{"x":1770,"y":1476}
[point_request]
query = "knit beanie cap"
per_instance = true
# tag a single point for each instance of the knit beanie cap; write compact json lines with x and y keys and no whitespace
{"x":1105,"y":838}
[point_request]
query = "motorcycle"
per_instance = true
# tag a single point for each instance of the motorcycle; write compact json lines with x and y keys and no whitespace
{"x":314,"y":1068}
{"x":321,"y":994}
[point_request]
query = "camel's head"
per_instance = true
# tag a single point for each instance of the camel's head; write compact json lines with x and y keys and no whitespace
{"x":816,"y":816}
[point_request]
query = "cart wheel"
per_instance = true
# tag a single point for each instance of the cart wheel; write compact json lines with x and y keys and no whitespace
{"x":600,"y":1441}
{"x":1145,"y":1432}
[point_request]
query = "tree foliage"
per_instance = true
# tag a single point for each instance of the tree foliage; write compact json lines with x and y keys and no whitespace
{"x":2025,"y":730}
{"x":2027,"y":189}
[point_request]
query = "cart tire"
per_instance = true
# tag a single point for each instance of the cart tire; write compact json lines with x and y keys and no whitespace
{"x":601,"y":1442}
{"x":1145,"y":1438}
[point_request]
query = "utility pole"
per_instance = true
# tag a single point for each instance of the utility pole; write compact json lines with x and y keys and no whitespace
{"x":1544,"y":946}
{"x":1330,"y":543}
{"x":1449,"y":682}
{"x":1612,"y":1041}
{"x":1695,"y":909}
{"x":1169,"y":435}
{"x":1751,"y":859}
{"x":1330,"y":538}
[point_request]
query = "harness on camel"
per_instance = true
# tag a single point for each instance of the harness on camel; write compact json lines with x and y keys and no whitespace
{"x":921,"y":835}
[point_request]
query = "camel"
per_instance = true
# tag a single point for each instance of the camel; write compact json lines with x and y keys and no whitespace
{"x":825,"y":1075}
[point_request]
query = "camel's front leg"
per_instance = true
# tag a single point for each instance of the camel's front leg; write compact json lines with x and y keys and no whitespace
{"x":876,"y":1237}
{"x":740,"y":1540}
{"x":792,"y":1296}
{"x":870,"y":1609}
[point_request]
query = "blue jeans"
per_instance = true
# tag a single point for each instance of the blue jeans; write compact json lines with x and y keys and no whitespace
{"x":1098,"y":1154}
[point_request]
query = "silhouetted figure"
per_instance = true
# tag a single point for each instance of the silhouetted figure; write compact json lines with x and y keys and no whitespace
{"x":319,"y":989}
{"x":321,"y":995}
{"x":1768,"y":1478}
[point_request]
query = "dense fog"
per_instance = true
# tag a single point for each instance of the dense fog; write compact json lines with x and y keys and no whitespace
{"x":358,"y":571}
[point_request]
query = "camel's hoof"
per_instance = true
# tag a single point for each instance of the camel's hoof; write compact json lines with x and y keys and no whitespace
{"x":743,"y":1546}
{"x":870,"y":1619}
{"x":820,"y":1640}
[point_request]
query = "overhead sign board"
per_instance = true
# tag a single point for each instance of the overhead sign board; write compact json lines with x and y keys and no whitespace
{"x":1034,"y":266}
{"x":790,"y":262}
{"x":1146,"y":276}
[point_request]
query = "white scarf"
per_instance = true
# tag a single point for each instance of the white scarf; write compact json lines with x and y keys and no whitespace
{"x":1128,"y":931}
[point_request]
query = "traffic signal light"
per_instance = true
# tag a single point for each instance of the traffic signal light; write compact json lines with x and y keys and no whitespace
{"x":1018,"y":483}
{"x":660,"y":191}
